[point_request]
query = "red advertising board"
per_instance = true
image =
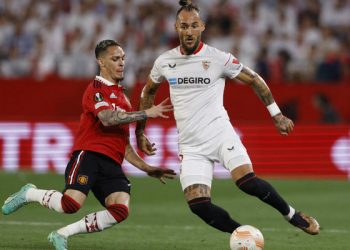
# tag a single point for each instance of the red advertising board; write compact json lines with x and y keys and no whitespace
{"x":310,"y":151}
{"x":60,"y":100}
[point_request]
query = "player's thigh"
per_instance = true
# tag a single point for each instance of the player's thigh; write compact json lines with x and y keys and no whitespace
{"x":196,"y":175}
{"x":81,"y":172}
{"x":232,"y":153}
{"x":111,"y":184}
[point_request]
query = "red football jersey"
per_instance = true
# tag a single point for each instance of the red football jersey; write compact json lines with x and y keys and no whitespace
{"x":92,"y":134}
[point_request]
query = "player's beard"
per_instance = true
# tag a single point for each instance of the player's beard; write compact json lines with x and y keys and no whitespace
{"x":191,"y":50}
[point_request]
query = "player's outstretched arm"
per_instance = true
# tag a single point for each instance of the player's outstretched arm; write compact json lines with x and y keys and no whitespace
{"x":160,"y":173}
{"x":119,"y":117}
{"x":146,"y":101}
{"x":283,"y":124}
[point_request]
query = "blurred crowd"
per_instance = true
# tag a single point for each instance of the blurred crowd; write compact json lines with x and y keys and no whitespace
{"x":284,"y":40}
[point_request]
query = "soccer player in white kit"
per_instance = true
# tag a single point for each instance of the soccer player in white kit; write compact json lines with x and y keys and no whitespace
{"x":196,"y":75}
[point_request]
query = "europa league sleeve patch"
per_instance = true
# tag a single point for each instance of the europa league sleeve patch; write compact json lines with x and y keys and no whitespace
{"x":98,"y":97}
{"x":100,"y":101}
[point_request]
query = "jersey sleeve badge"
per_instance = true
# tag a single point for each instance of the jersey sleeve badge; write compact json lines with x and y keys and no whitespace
{"x":98,"y":97}
{"x":100,"y":101}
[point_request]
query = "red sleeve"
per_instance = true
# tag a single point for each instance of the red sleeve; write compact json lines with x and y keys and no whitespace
{"x":95,"y":100}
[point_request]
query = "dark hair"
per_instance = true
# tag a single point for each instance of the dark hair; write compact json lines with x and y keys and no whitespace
{"x":187,"y":6}
{"x":104,"y":45}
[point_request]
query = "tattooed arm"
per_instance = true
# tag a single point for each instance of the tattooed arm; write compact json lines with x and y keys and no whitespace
{"x":251,"y":78}
{"x":119,"y":117}
{"x":282,"y":123}
{"x":146,"y":101}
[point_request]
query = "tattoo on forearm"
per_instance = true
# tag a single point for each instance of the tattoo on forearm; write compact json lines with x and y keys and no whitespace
{"x":258,"y":84}
{"x":263,"y":91}
{"x":110,"y":118}
{"x":147,"y":100}
{"x":128,"y":117}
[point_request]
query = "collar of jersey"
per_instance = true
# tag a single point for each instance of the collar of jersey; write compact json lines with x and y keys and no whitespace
{"x":200,"y":46}
{"x":106,"y":82}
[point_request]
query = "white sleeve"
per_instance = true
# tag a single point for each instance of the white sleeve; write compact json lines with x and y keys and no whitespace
{"x":156,"y":73}
{"x":232,"y":66}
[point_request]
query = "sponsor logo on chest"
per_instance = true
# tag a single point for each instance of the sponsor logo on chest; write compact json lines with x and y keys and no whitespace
{"x":189,"y":82}
{"x":198,"y":77}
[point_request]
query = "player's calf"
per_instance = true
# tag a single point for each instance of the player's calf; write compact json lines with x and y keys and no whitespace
{"x":119,"y":212}
{"x":253,"y":185}
{"x":213,"y":215}
{"x":101,"y":220}
{"x":96,"y":222}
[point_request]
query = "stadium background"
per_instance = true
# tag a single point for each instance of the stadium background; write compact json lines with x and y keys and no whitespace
{"x":302,"y":49}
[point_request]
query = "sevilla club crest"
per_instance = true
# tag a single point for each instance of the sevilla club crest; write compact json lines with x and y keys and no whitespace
{"x":205,"y":64}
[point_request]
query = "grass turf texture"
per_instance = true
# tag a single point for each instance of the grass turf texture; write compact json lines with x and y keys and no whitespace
{"x":160,"y":219}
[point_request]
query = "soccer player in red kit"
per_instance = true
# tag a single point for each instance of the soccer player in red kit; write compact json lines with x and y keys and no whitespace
{"x":100,"y":147}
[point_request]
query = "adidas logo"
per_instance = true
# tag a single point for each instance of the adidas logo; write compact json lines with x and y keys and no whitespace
{"x":113,"y":96}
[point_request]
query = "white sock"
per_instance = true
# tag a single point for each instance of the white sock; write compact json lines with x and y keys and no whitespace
{"x":289,"y":216}
{"x":48,"y":198}
{"x":91,"y":223}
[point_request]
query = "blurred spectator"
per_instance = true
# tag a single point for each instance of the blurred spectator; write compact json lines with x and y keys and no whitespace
{"x":284,"y":40}
{"x":328,"y":113}
{"x":290,"y":109}
{"x":329,"y":69}
{"x":262,"y":67}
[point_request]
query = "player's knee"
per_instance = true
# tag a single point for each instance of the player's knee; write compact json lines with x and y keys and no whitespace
{"x":200,"y":206}
{"x":119,"y":211}
{"x":69,"y":205}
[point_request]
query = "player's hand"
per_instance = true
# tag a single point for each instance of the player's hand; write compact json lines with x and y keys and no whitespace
{"x":159,"y":110}
{"x":161,"y":173}
{"x":145,"y":145}
{"x":283,"y":124}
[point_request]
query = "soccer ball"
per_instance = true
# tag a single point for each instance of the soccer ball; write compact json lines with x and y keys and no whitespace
{"x":246,"y":238}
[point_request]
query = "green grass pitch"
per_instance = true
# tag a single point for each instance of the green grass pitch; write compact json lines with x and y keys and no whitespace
{"x":160,"y":219}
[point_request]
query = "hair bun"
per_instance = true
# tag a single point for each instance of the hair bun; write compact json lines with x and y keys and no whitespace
{"x":184,"y":2}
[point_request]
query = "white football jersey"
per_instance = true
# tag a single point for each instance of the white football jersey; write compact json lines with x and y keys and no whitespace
{"x":196,"y":84}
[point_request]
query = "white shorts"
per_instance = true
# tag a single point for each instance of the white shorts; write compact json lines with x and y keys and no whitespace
{"x":197,"y":162}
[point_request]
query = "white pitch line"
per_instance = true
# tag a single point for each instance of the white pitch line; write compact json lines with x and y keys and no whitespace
{"x":30,"y":223}
{"x":186,"y":227}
